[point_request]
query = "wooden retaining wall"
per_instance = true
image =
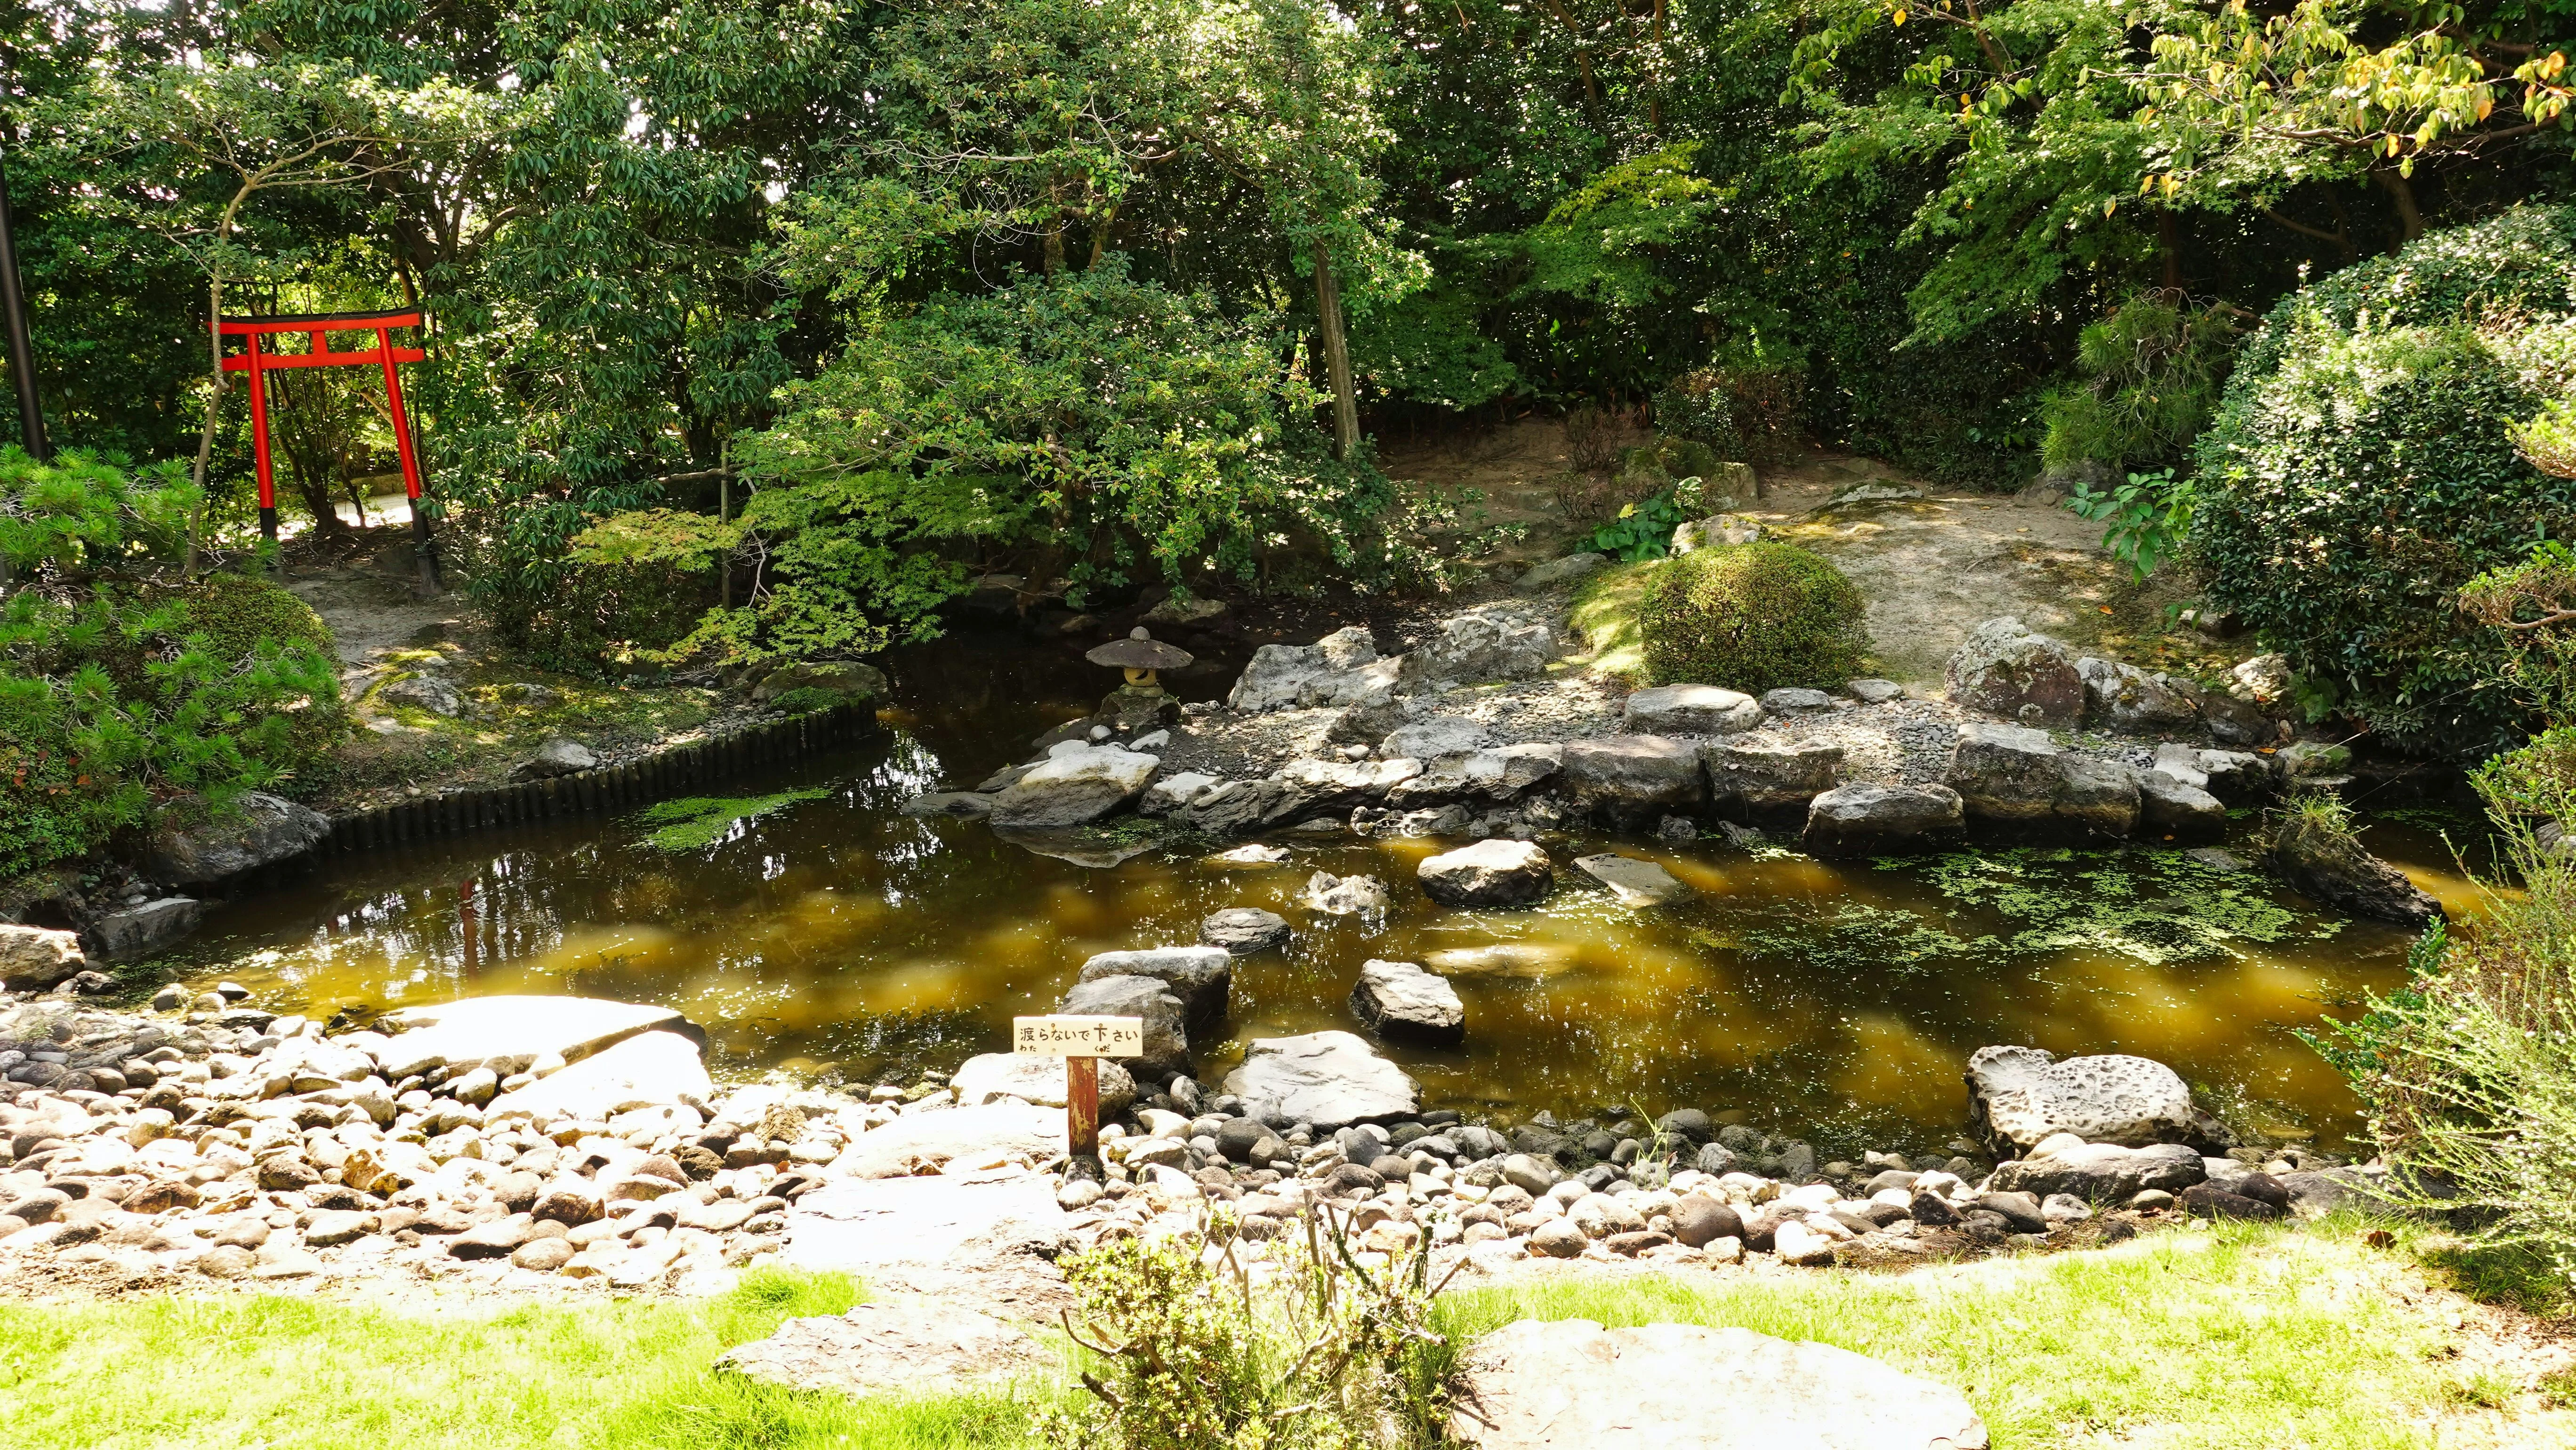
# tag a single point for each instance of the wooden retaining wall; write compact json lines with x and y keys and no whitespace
{"x":677,"y":770}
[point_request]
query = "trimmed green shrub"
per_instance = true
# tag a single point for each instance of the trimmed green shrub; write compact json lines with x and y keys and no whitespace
{"x":2362,"y":468}
{"x":1752,"y":617}
{"x":117,"y":694}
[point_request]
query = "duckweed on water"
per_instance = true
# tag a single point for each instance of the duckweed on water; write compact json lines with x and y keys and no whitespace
{"x":2153,"y":906}
{"x":695,"y":822}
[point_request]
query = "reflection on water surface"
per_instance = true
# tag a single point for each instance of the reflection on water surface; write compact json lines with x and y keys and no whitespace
{"x":1837,"y":999}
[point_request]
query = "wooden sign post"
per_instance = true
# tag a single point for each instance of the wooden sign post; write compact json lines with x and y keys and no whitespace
{"x":1081,"y":1042}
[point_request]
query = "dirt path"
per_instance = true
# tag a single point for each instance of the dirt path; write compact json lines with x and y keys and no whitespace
{"x":1932,"y":563}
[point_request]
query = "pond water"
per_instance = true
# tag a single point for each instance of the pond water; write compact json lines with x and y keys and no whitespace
{"x":831,"y":934}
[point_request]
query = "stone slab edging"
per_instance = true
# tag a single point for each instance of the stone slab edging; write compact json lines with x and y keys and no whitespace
{"x":672,"y":771}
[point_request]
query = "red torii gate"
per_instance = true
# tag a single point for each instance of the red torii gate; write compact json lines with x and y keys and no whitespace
{"x":319,"y":326}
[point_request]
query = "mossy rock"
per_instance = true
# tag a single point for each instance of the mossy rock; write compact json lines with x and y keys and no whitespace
{"x":237,"y":614}
{"x":1752,"y":617}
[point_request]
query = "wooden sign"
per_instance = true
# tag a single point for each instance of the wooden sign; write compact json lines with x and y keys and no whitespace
{"x":1078,"y":1036}
{"x":1081,"y":1042}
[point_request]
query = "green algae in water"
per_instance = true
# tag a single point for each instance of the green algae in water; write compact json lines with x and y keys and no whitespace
{"x":1849,"y":936}
{"x":2153,"y":906}
{"x":694,"y":822}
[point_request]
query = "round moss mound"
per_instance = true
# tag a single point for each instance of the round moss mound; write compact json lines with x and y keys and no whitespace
{"x":1752,"y":617}
{"x":2362,"y":468}
{"x":238,"y":615}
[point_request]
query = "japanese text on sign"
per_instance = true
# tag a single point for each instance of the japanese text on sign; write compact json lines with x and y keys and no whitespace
{"x":1078,"y":1036}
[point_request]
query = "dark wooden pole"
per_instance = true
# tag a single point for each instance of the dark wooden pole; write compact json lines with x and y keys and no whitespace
{"x":22,"y":348}
{"x":1082,"y":1106}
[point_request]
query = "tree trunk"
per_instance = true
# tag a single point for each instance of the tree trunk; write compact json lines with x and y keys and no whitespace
{"x":2410,"y":218}
{"x":214,"y":412}
{"x":1337,"y":353}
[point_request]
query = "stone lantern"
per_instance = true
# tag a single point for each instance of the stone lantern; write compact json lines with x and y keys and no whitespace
{"x":1140,"y":655}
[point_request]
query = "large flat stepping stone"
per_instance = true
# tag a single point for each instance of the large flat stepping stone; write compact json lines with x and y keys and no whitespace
{"x":903,"y":1346}
{"x":988,"y":1241}
{"x":479,"y":1029}
{"x":1638,"y":883}
{"x":657,"y":1069}
{"x":1567,"y":1383}
{"x":1328,"y":1079}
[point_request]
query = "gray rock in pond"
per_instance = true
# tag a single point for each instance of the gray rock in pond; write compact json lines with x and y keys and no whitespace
{"x":556,"y":757}
{"x":1201,"y":976}
{"x":1859,"y":820}
{"x":2125,"y":697}
{"x":1546,"y":1384}
{"x":1568,"y":570}
{"x":2096,"y":795}
{"x":1167,"y":1043}
{"x":1796,"y":701}
{"x":1346,"y":895}
{"x":1770,"y":779}
{"x":2184,"y":812}
{"x":1874,"y":691}
{"x":1497,"y":775}
{"x":2100,"y":1172}
{"x":1628,"y":780}
{"x":2017,"y":775}
{"x":139,"y":931}
{"x":1244,"y":930}
{"x":2182,"y":762}
{"x":2020,"y":1096}
{"x":2005,"y":772}
{"x":906,"y":1345}
{"x":2237,"y":775}
{"x":260,"y":830}
{"x":1172,"y":794}
{"x":36,"y":959}
{"x":1309,"y":788}
{"x":1366,"y":724}
{"x":1339,"y":670}
{"x":2335,"y":869}
{"x":1491,"y":873}
{"x":966,"y":805}
{"x":1635,"y":882}
{"x":1078,"y":784}
{"x":1432,"y":738}
{"x":2005,"y":669}
{"x":1400,"y":999}
{"x":1689,"y":710}
{"x":1510,"y":640}
{"x":1328,"y":1079}
{"x":846,"y":678}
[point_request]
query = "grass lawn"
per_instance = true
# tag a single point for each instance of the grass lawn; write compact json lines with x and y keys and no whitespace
{"x":2241,"y":1336}
{"x":233,"y":1372}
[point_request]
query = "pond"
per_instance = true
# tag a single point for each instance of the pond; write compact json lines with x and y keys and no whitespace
{"x":828,"y":933}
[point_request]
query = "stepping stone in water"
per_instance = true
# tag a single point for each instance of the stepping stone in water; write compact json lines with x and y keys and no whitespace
{"x":1244,"y":930}
{"x":1400,"y":999}
{"x":1638,"y":883}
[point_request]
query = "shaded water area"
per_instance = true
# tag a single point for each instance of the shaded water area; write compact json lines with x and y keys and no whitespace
{"x":831,"y":934}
